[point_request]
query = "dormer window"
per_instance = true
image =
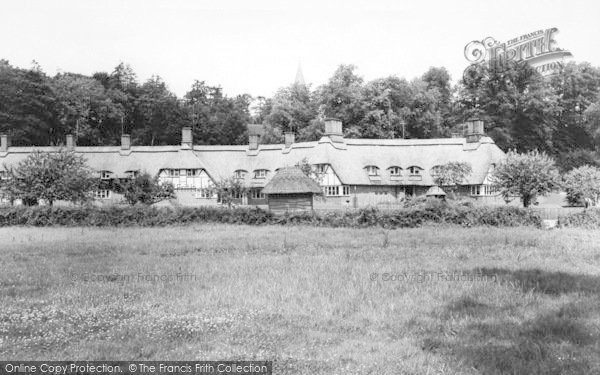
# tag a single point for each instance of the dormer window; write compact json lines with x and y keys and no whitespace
{"x":372,"y":170}
{"x":395,"y":171}
{"x":320,"y":168}
{"x":261,"y":173}
{"x":414,"y":171}
{"x":132,"y":174}
{"x":240,"y":174}
{"x":105,"y":175}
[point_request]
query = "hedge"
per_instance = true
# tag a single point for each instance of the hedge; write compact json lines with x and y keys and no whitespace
{"x":589,"y":218}
{"x":429,"y":212}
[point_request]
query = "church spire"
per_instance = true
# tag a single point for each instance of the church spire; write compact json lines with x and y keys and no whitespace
{"x":299,"y":76}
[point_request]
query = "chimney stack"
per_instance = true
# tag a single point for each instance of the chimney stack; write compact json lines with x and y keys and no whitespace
{"x":289,"y":139}
{"x":333,"y":129}
{"x":125,"y":142}
{"x":475,"y":130}
{"x":254,"y":132}
{"x":70,"y":142}
{"x":4,"y":142}
{"x":186,"y":137}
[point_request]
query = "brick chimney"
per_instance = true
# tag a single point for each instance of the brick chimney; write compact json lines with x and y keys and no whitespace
{"x":333,"y":129}
{"x":125,"y":142}
{"x":186,"y":137}
{"x":70,"y":142}
{"x":254,"y":133}
{"x":289,"y":139}
{"x":4,"y":142}
{"x":475,"y":130}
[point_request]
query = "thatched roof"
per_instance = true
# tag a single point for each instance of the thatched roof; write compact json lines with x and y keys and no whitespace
{"x":435,"y":191}
{"x":348,"y":162}
{"x":291,"y":180}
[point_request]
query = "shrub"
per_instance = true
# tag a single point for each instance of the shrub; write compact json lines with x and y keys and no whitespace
{"x":589,"y":218}
{"x":430,"y":211}
{"x":583,"y":186}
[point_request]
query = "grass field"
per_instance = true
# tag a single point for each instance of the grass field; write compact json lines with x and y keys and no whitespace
{"x":433,"y":300}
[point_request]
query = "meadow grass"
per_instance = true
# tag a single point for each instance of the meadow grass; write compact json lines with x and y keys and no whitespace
{"x":432,"y":300}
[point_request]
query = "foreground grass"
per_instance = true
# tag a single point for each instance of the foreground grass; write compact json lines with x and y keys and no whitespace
{"x":314,"y":300}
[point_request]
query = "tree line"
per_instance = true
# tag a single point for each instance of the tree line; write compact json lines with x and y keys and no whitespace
{"x":558,"y":114}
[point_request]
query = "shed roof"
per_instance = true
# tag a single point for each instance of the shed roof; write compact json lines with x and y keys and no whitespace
{"x":435,"y":191}
{"x":291,"y":180}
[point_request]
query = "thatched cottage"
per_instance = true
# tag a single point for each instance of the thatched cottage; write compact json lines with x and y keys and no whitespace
{"x":352,"y":172}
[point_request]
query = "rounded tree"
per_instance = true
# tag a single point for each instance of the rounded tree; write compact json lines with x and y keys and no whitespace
{"x":50,"y":176}
{"x":527,"y":175}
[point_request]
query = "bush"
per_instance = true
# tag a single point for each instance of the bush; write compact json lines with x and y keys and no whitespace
{"x":589,"y":218}
{"x":583,"y":186}
{"x":428,"y":211}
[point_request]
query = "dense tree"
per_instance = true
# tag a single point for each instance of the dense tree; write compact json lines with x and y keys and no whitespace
{"x":216,"y":118}
{"x":27,"y":106}
{"x":527,"y":175}
{"x":83,"y":108}
{"x":583,"y":186}
{"x":516,"y":103}
{"x":386,"y":104}
{"x":160,"y":115}
{"x":50,"y":176}
{"x":144,"y":189}
{"x":341,"y":97}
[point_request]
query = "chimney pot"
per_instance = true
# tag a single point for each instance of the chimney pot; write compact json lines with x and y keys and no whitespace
{"x":70,"y":142}
{"x":3,"y":142}
{"x":125,"y":142}
{"x":186,"y":137}
{"x":289,"y":139}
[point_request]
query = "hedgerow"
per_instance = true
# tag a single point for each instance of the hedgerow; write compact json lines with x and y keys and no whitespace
{"x":589,"y":218}
{"x":410,"y":217}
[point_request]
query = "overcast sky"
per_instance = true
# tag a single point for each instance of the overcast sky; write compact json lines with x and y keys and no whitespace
{"x":255,"y":46}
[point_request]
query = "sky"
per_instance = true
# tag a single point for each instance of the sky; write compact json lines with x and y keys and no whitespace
{"x":255,"y":47}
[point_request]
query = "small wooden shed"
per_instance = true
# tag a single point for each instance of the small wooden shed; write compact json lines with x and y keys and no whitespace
{"x":290,"y":190}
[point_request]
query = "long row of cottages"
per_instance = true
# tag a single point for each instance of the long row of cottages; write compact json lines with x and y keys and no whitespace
{"x":353,"y":172}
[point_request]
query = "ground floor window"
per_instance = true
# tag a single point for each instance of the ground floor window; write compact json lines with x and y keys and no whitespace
{"x":336,"y":191}
{"x":102,"y":194}
{"x":484,"y":190}
{"x":204,"y":193}
{"x":257,"y":194}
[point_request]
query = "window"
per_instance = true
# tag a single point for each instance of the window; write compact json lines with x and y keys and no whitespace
{"x":257,"y":194}
{"x":102,"y":194}
{"x":236,"y":195}
{"x":172,"y":172}
{"x":415,"y":171}
{"x":261,"y":173}
{"x":240,"y":174}
{"x":320,"y":168}
{"x":484,"y":190}
{"x":372,"y":170}
{"x":105,"y":175}
{"x":395,"y":171}
{"x":192,"y":172}
{"x":204,"y":193}
{"x":3,"y":175}
{"x":334,"y":191}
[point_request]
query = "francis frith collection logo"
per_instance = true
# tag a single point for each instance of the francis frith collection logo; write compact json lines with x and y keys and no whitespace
{"x":538,"y":48}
